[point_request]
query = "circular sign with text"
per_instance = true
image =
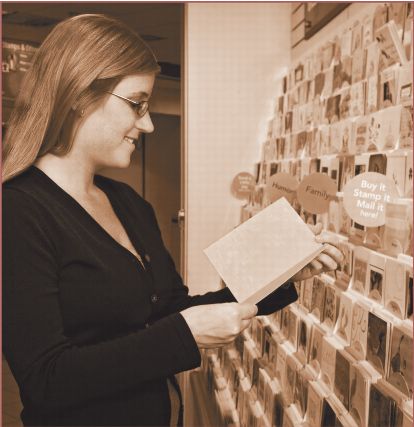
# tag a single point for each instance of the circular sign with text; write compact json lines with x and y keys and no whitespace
{"x":242,"y":185}
{"x":281,"y":185}
{"x":315,"y":192}
{"x":365,"y":198}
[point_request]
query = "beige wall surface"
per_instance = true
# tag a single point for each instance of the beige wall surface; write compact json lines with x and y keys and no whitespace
{"x":235,"y":55}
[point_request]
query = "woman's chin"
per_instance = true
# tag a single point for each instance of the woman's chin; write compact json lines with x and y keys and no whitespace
{"x":120,"y":163}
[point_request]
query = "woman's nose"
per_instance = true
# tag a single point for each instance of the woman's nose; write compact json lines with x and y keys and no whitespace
{"x":144,"y":123}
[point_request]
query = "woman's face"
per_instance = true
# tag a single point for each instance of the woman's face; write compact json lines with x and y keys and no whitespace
{"x":106,"y":135}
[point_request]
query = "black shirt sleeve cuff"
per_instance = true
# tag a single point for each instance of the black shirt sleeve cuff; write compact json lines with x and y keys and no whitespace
{"x":280,"y":298}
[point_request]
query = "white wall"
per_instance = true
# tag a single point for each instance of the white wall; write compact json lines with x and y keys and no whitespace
{"x":235,"y":53}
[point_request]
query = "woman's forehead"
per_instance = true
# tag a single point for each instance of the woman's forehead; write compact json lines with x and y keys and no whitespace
{"x":138,"y":85}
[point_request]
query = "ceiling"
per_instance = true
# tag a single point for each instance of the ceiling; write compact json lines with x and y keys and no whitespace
{"x":158,"y":23}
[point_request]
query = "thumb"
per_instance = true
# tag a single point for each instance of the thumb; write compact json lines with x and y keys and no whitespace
{"x":316,"y":229}
{"x":247,"y":310}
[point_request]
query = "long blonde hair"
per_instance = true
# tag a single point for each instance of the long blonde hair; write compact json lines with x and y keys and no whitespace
{"x":82,"y":58}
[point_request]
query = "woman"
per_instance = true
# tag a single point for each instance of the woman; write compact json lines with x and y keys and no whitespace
{"x":96,"y":319}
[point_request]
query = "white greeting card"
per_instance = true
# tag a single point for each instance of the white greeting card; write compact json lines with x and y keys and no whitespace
{"x":264,"y":252}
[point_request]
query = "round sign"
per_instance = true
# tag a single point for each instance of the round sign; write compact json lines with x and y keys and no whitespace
{"x":315,"y":192}
{"x":242,"y":185}
{"x":365,"y":198}
{"x":281,"y":185}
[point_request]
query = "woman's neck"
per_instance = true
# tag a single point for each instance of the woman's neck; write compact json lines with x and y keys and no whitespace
{"x":74,"y":176}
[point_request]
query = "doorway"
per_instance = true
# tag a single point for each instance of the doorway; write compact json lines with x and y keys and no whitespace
{"x":154,"y":173}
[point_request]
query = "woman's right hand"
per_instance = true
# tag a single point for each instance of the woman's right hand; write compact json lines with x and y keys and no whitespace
{"x":214,"y":325}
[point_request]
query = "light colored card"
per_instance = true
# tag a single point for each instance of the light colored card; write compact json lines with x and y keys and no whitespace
{"x":367,"y":35}
{"x":388,"y":87}
{"x":359,"y":395}
{"x":330,"y":307}
{"x":344,"y":322}
{"x":390,"y":128}
{"x":378,"y":342}
{"x":318,"y":297}
{"x":395,"y":287}
{"x":329,"y":349}
{"x":343,"y":365}
{"x":357,"y":99}
{"x":360,"y":270}
{"x":405,"y":84}
{"x":264,"y":252}
{"x":346,"y":43}
{"x":396,"y":170}
{"x":409,"y":175}
{"x":400,"y":369}
{"x":359,"y":331}
{"x":372,"y":94}
{"x":357,"y":65}
{"x":314,"y":407}
{"x":315,"y":354}
{"x":360,"y":134}
{"x":406,"y":129}
{"x":372,"y":60}
{"x":376,"y":270}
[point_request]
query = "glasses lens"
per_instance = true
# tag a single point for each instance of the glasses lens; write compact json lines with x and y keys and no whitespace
{"x":142,"y":108}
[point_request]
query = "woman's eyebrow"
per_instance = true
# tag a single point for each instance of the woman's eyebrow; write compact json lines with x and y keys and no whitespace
{"x":140,"y":94}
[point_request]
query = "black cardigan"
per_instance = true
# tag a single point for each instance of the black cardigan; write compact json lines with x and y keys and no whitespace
{"x":90,"y":335}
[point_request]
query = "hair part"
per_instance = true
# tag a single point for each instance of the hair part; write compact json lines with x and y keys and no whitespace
{"x":79,"y":61}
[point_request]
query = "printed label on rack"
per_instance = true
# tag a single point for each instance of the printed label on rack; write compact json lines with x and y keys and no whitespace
{"x":366,"y":196}
{"x":242,"y":185}
{"x":281,"y":185}
{"x":315,"y":192}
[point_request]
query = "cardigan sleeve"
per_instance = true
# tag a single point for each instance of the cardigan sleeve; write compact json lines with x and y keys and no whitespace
{"x":280,"y":298}
{"x":52,"y":371}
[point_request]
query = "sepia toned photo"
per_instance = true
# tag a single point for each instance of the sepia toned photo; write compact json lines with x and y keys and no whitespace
{"x":172,"y":252}
{"x":318,"y":298}
{"x":359,"y":331}
{"x":377,"y":344}
{"x":344,"y":322}
{"x":400,"y":372}
{"x":360,"y":275}
{"x":358,"y":395}
{"x":376,"y":277}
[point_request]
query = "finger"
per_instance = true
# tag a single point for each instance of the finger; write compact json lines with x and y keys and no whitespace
{"x":328,"y":238}
{"x":327,"y":262}
{"x":245,"y":324}
{"x":334,"y":253}
{"x":316,"y":265}
{"x":306,"y":271}
{"x":247,"y":311}
{"x":316,"y":229}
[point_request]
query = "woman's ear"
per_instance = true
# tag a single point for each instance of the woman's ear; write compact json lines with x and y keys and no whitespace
{"x":81,"y":113}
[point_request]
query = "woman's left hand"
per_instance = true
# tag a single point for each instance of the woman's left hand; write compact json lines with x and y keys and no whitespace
{"x":327,"y":260}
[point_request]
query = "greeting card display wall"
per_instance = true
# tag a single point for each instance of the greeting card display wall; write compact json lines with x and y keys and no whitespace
{"x":341,"y":355}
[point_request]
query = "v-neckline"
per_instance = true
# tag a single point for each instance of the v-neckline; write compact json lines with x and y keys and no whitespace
{"x":92,"y":220}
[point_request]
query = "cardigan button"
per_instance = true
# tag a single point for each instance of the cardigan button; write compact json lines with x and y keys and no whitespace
{"x":147,"y":258}
{"x":154,"y":298}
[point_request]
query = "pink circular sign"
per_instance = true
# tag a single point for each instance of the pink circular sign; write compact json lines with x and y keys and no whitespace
{"x":242,"y":185}
{"x":315,"y":192}
{"x":281,"y":185}
{"x":366,"y":196}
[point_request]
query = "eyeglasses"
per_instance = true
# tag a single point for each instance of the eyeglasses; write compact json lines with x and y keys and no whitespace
{"x":140,"y":107}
